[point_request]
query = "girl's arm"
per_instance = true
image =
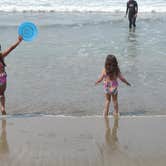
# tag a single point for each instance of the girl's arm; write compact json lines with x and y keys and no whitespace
{"x":123,"y":79}
{"x":6,"y":52}
{"x":101,"y":77}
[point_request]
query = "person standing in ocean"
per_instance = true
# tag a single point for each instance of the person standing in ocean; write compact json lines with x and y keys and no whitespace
{"x":110,"y":75}
{"x":132,"y":10}
{"x":3,"y":75}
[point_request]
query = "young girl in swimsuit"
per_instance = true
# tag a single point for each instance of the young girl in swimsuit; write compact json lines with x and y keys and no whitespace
{"x":110,"y":74}
{"x":3,"y":74}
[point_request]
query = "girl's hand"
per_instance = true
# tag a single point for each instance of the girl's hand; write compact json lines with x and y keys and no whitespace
{"x":19,"y":38}
{"x":96,"y":83}
{"x":128,"y":84}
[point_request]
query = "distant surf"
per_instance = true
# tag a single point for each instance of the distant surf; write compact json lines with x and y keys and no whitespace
{"x":79,"y":6}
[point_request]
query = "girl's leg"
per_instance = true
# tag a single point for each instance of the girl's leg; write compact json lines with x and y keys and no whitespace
{"x":107,"y":104}
{"x":2,"y":101}
{"x":2,"y":98}
{"x":115,"y":103}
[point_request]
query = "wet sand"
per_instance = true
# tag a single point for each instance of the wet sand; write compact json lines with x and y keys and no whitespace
{"x":80,"y":141}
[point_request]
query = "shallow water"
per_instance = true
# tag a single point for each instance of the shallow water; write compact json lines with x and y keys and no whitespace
{"x":55,"y":74}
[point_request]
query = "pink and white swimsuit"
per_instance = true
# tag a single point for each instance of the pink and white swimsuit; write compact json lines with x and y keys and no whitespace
{"x":3,"y":75}
{"x":111,"y":86}
{"x":3,"y":78}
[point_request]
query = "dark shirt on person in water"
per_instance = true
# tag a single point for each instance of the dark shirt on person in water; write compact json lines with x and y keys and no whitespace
{"x":132,"y":7}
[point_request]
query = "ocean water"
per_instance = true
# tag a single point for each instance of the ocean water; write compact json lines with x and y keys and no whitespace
{"x":79,"y":6}
{"x":55,"y":73}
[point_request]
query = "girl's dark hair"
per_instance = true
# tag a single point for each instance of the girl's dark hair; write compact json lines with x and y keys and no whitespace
{"x":111,"y":66}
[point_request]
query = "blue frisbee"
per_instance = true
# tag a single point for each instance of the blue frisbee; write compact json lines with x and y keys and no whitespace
{"x":28,"y":31}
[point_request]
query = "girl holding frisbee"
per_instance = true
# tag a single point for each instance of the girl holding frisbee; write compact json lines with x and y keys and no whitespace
{"x":3,"y":75}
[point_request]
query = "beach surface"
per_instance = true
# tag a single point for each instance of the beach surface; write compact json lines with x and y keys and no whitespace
{"x":77,"y":141}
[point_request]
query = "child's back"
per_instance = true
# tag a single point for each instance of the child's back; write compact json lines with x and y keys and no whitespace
{"x":110,"y":75}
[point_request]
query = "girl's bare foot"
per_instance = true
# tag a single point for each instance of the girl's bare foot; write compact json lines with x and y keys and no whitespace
{"x":3,"y":112}
{"x":105,"y":113}
{"x":116,"y":114}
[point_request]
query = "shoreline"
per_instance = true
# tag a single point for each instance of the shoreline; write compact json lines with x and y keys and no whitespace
{"x":123,"y":115}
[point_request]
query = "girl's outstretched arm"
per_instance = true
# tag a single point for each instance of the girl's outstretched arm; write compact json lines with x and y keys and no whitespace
{"x":101,"y":77}
{"x":123,"y":79}
{"x":6,"y":52}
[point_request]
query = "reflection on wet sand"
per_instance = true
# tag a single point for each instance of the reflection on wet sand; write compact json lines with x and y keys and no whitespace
{"x":83,"y":141}
{"x":4,"y":148}
{"x":112,"y":152}
{"x":109,"y":149}
{"x":111,"y":137}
